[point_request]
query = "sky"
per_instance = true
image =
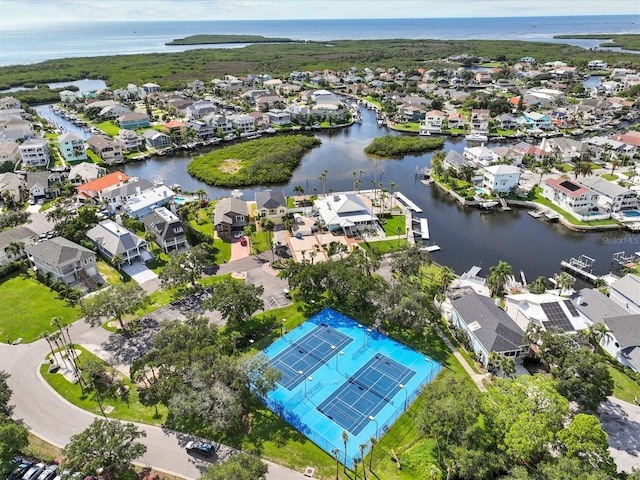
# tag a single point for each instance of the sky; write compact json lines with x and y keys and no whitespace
{"x":14,"y":13}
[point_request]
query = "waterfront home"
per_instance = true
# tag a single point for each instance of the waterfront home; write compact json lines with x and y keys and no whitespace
{"x":132,"y":121}
{"x":626,"y":292}
{"x":505,"y":121}
{"x":535,"y":121}
{"x":597,"y":65}
{"x":15,"y":235}
{"x":479,"y":155}
{"x":480,"y":120}
{"x":594,"y":107}
{"x":108,"y":109}
{"x":561,"y":118}
{"x":14,"y":185}
{"x":299,"y":113}
{"x":565,"y":149}
{"x":456,"y":161}
{"x":9,"y":152}
{"x":433,"y":121}
{"x":456,"y":121}
{"x":155,"y":139}
{"x":64,"y":260}
{"x":612,"y":197}
{"x":605,"y":148}
{"x":230,"y":216}
{"x":142,"y":204}
{"x":106,"y":148}
{"x":112,"y":239}
{"x":200,"y":109}
{"x":536,"y":153}
{"x":85,"y":172}
{"x":11,"y":113}
{"x":176,"y":130}
{"x":347,"y":212}
{"x":129,"y":140}
{"x":34,"y":152}
{"x":8,"y":103}
{"x":43,"y":185}
{"x":203,"y":130}
{"x":507,"y":154}
{"x":412,"y":113}
{"x":15,"y":129}
{"x":570,"y":196}
{"x":119,"y":194}
{"x":501,"y":178}
{"x":242,"y":123}
{"x":72,"y":147}
{"x":166,"y":228}
{"x":279,"y":117}
{"x":549,"y":311}
{"x":268,"y":101}
{"x":272,"y":205}
{"x":68,"y":96}
{"x":220,"y":123}
{"x":488,"y":327}
{"x":93,"y":190}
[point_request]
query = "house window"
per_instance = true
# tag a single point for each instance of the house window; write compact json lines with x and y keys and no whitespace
{"x":240,"y":218}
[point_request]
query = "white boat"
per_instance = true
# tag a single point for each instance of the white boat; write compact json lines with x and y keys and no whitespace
{"x":424,"y":133}
{"x":475,"y":136}
{"x":490,"y":204}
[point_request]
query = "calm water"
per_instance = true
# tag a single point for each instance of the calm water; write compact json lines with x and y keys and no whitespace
{"x":37,"y":43}
{"x":467,"y":237}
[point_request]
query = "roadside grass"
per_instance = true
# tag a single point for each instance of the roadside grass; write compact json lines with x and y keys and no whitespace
{"x":128,"y":409}
{"x":41,"y":450}
{"x":394,"y":225}
{"x":30,"y":307}
{"x":385,"y":246}
{"x":624,"y":387}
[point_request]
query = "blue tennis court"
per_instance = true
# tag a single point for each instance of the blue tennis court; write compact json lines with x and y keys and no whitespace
{"x":340,"y":376}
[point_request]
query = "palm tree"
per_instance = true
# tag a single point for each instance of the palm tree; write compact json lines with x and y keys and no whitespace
{"x":345,"y":439}
{"x":362,"y":446}
{"x":150,"y":238}
{"x":14,"y":249}
{"x":268,"y":226}
{"x":116,"y":261}
{"x":582,"y":167}
{"x":432,"y":471}
{"x":615,"y":163}
{"x":445,"y":277}
{"x":373,"y":442}
{"x":507,"y":366}
{"x":598,"y":332}
{"x":539,"y":285}
{"x":298,"y":190}
{"x":356,"y":462}
{"x":564,"y":281}
{"x":45,"y":335}
{"x":335,"y":452}
{"x":498,"y":277}
{"x":494,"y":360}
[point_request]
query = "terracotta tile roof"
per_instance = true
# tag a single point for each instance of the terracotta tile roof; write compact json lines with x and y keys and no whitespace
{"x":103,"y":182}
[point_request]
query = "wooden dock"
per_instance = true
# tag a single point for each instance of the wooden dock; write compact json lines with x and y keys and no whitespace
{"x":424,"y":229}
{"x":535,"y":213}
{"x":408,"y":203}
{"x":581,"y":267}
{"x":503,"y":204}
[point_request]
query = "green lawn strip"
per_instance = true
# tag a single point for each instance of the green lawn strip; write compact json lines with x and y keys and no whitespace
{"x":624,"y":387}
{"x":108,"y":273}
{"x":385,"y":246}
{"x":407,"y":127}
{"x":94,"y":158}
{"x":108,"y":127}
{"x":574,"y":221}
{"x":609,"y":176}
{"x":394,"y":225}
{"x":33,"y":306}
{"x":223,"y":248}
{"x":41,"y":450}
{"x":131,"y":410}
{"x":260,"y":242}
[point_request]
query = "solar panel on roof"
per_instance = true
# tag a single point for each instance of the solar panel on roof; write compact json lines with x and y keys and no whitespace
{"x":556,"y":317}
{"x":570,"y":186}
{"x":572,"y":308}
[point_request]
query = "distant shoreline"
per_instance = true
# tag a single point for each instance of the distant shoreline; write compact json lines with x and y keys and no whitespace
{"x":629,"y":41}
{"x":227,"y":39}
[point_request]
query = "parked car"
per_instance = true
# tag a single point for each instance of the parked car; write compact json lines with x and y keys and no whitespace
{"x":243,"y":241}
{"x":20,"y":470}
{"x":34,"y":471}
{"x":49,"y":473}
{"x":238,"y":234}
{"x":195,"y":447}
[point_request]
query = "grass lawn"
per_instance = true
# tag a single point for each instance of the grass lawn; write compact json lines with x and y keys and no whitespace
{"x":41,"y":450}
{"x":94,"y":158}
{"x":538,"y":198}
{"x":395,"y":225}
{"x":110,"y":274}
{"x":260,"y":242}
{"x":124,"y":409}
{"x":407,"y":127}
{"x":32,"y":307}
{"x":609,"y":176}
{"x":624,"y":387}
{"x":108,"y":127}
{"x":223,"y":248}
{"x":385,"y":246}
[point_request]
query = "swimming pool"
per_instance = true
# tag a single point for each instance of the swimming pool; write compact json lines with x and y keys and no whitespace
{"x":341,"y":376}
{"x":630,"y":213}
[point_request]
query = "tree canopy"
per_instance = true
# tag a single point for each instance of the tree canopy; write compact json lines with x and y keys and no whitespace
{"x":238,"y":467}
{"x":13,"y":436}
{"x":115,"y":301}
{"x":236,"y":301}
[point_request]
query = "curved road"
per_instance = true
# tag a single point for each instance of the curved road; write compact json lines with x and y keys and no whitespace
{"x":55,"y":420}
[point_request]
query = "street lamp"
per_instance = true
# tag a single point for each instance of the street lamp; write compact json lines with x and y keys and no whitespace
{"x":372,"y":418}
{"x":406,"y":395}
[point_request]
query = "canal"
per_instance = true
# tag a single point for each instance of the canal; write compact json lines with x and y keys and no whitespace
{"x":467,"y":236}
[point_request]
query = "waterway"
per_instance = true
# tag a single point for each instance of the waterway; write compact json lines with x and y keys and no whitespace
{"x":467,"y":236}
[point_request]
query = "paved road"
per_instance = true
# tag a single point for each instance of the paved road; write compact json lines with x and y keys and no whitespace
{"x":50,"y":417}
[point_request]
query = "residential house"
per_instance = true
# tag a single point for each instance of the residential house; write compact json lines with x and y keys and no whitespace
{"x":151,"y":88}
{"x":44,"y":185}
{"x":118,"y":195}
{"x":200,"y":109}
{"x":271,"y":205}
{"x":230,"y":215}
{"x":94,"y":189}
{"x":504,"y":121}
{"x":480,"y":120}
{"x":72,"y":147}
{"x":156,"y":140}
{"x":624,"y":338}
{"x":412,"y":113}
{"x":433,"y":122}
{"x":68,"y":96}
{"x":142,"y":204}
{"x":268,"y":101}
{"x":64,"y":260}
{"x":132,"y":121}
{"x":203,"y":130}
{"x":22,"y":236}
{"x":503,"y":154}
{"x":346,"y":212}
{"x":166,"y":228}
{"x":488,"y":327}
{"x":14,"y":185}
{"x":597,"y":65}
{"x":279,"y":117}
{"x":501,"y":178}
{"x":536,"y":153}
{"x":562,"y":119}
{"x":565,"y":149}
{"x":535,"y":121}
{"x":110,"y":109}
{"x":196,"y":86}
{"x":221,"y":124}
{"x":631,"y":138}
{"x":14,"y":113}
{"x":9,"y":152}
{"x":85,"y":172}
{"x":551,"y":312}
{"x":113,"y":239}
{"x":479,"y":155}
{"x":612,"y":197}
{"x":106,"y":148}
{"x":626,"y":292}
{"x":595,"y":108}
{"x":242,"y":123}
{"x":176,"y":130}
{"x":15,"y":130}
{"x":456,"y":161}
{"x":8,"y":102}
{"x":570,"y":196}
{"x":129,"y":140}
{"x":456,"y":121}
{"x":35,"y":152}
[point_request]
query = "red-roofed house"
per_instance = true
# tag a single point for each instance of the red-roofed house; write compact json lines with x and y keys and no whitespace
{"x":93,"y":189}
{"x":536,"y":153}
{"x":570,"y":195}
{"x":630,"y":138}
{"x":175,"y":129}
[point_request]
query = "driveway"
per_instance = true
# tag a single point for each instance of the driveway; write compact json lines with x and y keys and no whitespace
{"x":621,"y":420}
{"x":143,"y":276}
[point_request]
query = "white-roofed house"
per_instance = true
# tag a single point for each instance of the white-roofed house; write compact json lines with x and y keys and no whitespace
{"x":549,"y":311}
{"x":113,"y":239}
{"x":85,"y":172}
{"x":347,"y":212}
{"x":35,"y":152}
{"x":501,"y":178}
{"x":142,"y":204}
{"x":612,"y":197}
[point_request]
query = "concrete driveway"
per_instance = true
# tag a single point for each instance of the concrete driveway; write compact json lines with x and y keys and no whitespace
{"x":142,"y":275}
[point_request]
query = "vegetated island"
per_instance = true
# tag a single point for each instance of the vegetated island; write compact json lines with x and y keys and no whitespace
{"x":220,"y":39}
{"x":255,"y":162}
{"x":394,"y":146}
{"x":627,"y":41}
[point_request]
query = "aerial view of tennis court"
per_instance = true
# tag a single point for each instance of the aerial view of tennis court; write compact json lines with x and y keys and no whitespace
{"x":338,"y":375}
